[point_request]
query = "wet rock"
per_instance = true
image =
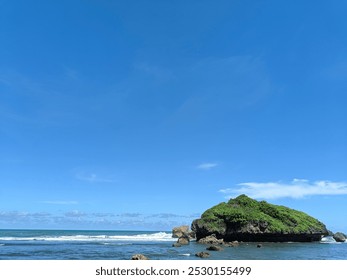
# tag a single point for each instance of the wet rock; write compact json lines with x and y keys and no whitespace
{"x":139,"y":257}
{"x":203,"y":255}
{"x":180,"y":231}
{"x":211,"y":239}
{"x":214,"y":248}
{"x":183,"y":240}
{"x":232,"y":243}
{"x":339,"y":237}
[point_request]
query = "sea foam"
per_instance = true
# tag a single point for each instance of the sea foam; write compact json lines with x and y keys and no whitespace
{"x":158,"y":236}
{"x":330,"y":239}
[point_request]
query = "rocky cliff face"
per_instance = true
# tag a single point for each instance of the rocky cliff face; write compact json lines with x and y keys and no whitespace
{"x":245,"y":219}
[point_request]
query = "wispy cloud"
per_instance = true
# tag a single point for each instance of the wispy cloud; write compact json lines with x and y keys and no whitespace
{"x":71,"y":73}
{"x":75,"y":214}
{"x":102,"y":215}
{"x":129,"y":215}
{"x":78,"y":218}
{"x":297,"y":188}
{"x":15,"y":217}
{"x":207,"y":165}
{"x":166,"y":215}
{"x":173,"y":216}
{"x":158,"y":73}
{"x":60,"y":202}
{"x":94,"y":178}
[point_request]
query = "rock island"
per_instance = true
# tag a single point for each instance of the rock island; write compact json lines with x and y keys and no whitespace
{"x":246,"y":219}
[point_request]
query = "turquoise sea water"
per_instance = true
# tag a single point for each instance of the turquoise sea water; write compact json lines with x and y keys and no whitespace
{"x":121,"y":245}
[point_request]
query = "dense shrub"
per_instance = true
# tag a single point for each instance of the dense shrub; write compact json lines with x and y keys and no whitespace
{"x":242,"y":211}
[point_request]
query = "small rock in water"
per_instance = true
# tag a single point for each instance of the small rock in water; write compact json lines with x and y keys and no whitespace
{"x":259,"y":245}
{"x":139,"y":257}
{"x":214,"y":248}
{"x":203,"y":254}
{"x":180,"y":231}
{"x":183,"y":240}
{"x":232,"y":243}
{"x":339,"y":237}
{"x":211,"y":239}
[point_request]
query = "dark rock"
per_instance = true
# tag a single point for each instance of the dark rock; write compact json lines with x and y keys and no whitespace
{"x":177,"y":232}
{"x":180,"y":231}
{"x":176,"y":245}
{"x":211,"y":239}
{"x":245,"y":219}
{"x":339,"y":237}
{"x":139,"y":257}
{"x":232,"y":244}
{"x":203,"y":255}
{"x":259,"y":245}
{"x":214,"y":248}
{"x":183,"y":240}
{"x":191,"y":234}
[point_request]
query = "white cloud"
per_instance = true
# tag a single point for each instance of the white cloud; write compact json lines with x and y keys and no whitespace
{"x":297,"y":188}
{"x":207,"y":166}
{"x":94,"y":178}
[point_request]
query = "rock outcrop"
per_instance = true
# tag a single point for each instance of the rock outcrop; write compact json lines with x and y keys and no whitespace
{"x":180,"y":231}
{"x":246,"y":219}
{"x":339,"y":237}
{"x":177,"y":232}
{"x":183,"y":240}
{"x":214,"y":248}
{"x":210,"y":239}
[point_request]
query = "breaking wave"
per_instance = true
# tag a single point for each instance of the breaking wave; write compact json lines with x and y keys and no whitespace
{"x":158,"y":236}
{"x":330,"y":239}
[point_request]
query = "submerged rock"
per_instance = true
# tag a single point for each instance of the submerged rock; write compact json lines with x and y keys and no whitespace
{"x":246,"y":219}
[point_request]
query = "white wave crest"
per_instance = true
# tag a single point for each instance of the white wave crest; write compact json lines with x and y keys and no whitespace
{"x":159,"y":236}
{"x":330,"y":239}
{"x":327,"y":239}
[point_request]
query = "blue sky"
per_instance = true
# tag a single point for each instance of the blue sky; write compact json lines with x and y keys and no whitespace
{"x":143,"y":114}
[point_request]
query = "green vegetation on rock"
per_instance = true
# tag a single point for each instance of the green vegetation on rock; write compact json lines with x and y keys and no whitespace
{"x":241,"y":212}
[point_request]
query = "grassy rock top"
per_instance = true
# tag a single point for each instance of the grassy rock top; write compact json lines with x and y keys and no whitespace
{"x":240,"y":212}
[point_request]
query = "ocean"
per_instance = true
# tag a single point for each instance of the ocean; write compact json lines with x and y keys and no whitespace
{"x":122,"y":245}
